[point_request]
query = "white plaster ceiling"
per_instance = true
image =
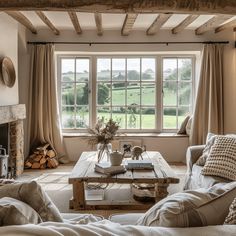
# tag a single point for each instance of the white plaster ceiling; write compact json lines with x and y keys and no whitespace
{"x":62,"y":21}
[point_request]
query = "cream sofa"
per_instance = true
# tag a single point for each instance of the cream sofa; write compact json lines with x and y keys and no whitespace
{"x":86,"y":224}
{"x":118,"y":225}
{"x":194,"y":178}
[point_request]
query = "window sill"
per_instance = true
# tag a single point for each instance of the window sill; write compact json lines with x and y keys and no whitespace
{"x":162,"y":135}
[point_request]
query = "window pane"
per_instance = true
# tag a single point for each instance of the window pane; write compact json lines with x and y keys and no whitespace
{"x":118,"y":93}
{"x":82,"y":70}
{"x":170,"y":69}
{"x":118,"y":69}
{"x":148,"y":69}
{"x":103,"y":113}
{"x":169,"y":118}
{"x":67,"y":70}
{"x":103,"y":93}
{"x":82,"y":93}
{"x":68,"y":118}
{"x":148,"y":94}
{"x":133,"y":69}
{"x":148,"y":118}
{"x":133,"y":93}
{"x":67,"y":93}
{"x":182,"y":113}
{"x":82,"y":117}
{"x":118,"y":115}
{"x":104,"y":69}
{"x":133,"y":117}
{"x":170,"y":93}
{"x":185,"y":93}
{"x":185,"y":69}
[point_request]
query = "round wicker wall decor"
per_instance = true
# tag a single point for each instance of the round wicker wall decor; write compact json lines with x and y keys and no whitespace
{"x":7,"y":72}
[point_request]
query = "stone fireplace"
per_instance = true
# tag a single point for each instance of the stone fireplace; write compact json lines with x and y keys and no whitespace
{"x":13,"y":116}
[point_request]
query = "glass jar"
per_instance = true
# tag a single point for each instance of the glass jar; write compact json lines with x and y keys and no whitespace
{"x":104,"y":150}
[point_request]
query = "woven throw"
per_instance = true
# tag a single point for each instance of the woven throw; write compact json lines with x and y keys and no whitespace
{"x":231,"y":218}
{"x":222,"y":158}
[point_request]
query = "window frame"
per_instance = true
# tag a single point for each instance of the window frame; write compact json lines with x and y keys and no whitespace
{"x":193,"y":58}
{"x":93,"y":86}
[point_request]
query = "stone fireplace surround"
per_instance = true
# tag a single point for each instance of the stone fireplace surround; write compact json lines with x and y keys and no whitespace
{"x":14,"y":115}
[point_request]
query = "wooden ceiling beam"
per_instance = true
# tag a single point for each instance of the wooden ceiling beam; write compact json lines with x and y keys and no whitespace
{"x":98,"y":21}
{"x":157,"y":23}
{"x":212,"y":23}
{"x":128,"y":24}
{"x":43,"y":17}
{"x":230,"y":24}
{"x":75,"y":21}
{"x":18,"y":16}
{"x":134,"y":6}
{"x":187,"y":21}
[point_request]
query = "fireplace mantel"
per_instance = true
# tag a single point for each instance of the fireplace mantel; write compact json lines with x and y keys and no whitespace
{"x":12,"y":113}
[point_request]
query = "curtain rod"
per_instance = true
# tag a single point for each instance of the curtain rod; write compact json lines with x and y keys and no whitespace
{"x":123,"y":43}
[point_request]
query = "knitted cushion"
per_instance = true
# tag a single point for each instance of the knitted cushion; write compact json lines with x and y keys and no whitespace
{"x":222,"y":158}
{"x":231,"y":218}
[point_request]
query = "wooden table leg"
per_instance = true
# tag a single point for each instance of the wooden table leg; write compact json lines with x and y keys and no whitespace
{"x":161,"y":191}
{"x":78,"y":201}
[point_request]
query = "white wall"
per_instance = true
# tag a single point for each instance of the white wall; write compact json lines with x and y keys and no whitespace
{"x":173,"y":148}
{"x":9,"y":48}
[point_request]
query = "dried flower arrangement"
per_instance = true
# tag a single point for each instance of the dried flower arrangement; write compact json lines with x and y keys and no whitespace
{"x":103,"y":132}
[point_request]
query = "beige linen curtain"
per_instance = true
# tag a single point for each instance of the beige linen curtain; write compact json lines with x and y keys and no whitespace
{"x":44,"y":124}
{"x":208,"y":113}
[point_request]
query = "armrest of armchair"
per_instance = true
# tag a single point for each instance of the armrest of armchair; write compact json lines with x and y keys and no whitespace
{"x":192,"y":155}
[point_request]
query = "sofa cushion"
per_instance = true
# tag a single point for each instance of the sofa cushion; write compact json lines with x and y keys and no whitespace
{"x":126,"y":219}
{"x":197,"y":180}
{"x":192,"y":208}
{"x":15,"y":212}
{"x":32,"y":194}
{"x":231,"y":217}
{"x":76,"y":218}
{"x":182,"y":129}
{"x":209,"y":143}
{"x":189,"y":125}
{"x":222,"y":158}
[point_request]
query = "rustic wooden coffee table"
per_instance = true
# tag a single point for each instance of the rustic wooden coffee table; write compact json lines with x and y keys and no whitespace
{"x":83,"y":172}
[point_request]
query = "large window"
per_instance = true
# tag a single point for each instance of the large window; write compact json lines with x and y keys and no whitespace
{"x":148,"y":93}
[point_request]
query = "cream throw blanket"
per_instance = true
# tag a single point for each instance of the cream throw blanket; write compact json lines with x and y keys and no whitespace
{"x":107,"y":228}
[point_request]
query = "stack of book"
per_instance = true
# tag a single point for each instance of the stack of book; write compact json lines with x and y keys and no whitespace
{"x":139,"y":165}
{"x":106,"y":168}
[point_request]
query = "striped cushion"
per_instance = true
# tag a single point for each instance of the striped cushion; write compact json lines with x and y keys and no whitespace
{"x":222,"y":158}
{"x":231,"y":218}
{"x":192,"y":208}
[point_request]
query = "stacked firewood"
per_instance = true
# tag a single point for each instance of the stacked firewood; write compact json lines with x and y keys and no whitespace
{"x":43,"y":157}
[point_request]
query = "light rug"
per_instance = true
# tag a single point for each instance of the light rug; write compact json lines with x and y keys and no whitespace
{"x":57,"y":187}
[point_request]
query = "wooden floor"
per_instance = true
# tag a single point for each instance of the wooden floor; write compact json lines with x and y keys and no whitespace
{"x":55,"y":180}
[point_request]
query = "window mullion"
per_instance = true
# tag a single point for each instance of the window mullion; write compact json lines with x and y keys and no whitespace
{"x":75,"y":102}
{"x":140,"y":91}
{"x":159,"y":94}
{"x":93,"y":95}
{"x":111,"y":103}
{"x":126,"y":105}
{"x":177,"y":101}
